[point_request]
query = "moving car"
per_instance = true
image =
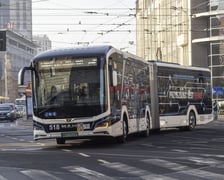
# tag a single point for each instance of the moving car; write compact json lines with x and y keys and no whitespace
{"x":8,"y":112}
{"x":21,"y":110}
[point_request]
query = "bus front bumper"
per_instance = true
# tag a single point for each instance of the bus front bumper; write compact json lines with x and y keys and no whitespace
{"x":114,"y":130}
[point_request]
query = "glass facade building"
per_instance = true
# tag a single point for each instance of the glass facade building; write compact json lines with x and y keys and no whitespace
{"x":187,"y":32}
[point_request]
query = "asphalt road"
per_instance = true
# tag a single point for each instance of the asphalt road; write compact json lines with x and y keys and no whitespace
{"x":166,"y":155}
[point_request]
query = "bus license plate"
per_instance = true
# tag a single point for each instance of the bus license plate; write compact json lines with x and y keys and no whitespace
{"x":69,"y":134}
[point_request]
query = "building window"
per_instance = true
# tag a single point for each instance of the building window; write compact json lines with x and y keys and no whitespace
{"x":24,"y":15}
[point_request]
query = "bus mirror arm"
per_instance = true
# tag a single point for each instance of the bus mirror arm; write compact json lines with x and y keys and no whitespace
{"x":114,"y":78}
{"x":21,"y":75}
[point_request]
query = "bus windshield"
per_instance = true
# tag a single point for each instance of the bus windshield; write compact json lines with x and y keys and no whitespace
{"x":69,"y":88}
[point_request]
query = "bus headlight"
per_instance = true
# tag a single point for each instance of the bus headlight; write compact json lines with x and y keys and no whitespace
{"x":106,"y":122}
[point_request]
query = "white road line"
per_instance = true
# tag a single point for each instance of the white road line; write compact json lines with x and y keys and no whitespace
{"x":102,"y":161}
{"x":87,"y":173}
{"x":39,"y":174}
{"x":66,"y":150}
{"x":2,"y":178}
{"x":185,"y":169}
{"x":214,"y":155}
{"x":40,"y":144}
{"x":179,"y":150}
{"x":204,"y":174}
{"x":140,"y":173}
{"x":206,"y":161}
{"x":84,"y":155}
{"x":11,"y":149}
{"x":166,"y":164}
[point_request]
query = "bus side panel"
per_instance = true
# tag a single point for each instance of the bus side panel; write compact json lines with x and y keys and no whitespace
{"x":154,"y":96}
{"x":135,"y":93}
{"x":179,"y":92}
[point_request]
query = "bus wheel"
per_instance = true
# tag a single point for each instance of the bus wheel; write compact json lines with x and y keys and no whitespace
{"x":123,"y":137}
{"x":192,"y":121}
{"x":60,"y":141}
{"x":146,"y":132}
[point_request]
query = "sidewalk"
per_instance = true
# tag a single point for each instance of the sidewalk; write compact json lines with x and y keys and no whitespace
{"x":25,"y":121}
{"x":221,"y":117}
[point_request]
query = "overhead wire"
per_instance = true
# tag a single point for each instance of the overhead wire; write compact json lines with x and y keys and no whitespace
{"x":100,"y":29}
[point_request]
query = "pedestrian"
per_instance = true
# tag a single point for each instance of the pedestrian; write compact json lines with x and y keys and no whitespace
{"x":215,"y":110}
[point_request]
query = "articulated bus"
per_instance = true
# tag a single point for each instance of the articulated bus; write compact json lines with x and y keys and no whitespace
{"x":181,"y":96}
{"x":100,"y":91}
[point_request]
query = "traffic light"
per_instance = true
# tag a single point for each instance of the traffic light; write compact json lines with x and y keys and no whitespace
{"x":2,"y":40}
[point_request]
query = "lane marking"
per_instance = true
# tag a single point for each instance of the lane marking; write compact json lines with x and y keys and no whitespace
{"x":103,"y":161}
{"x":84,"y":155}
{"x":203,"y":174}
{"x":87,"y":173}
{"x":39,"y":174}
{"x":66,"y":150}
{"x":201,"y":161}
{"x":2,"y":178}
{"x":21,"y":149}
{"x":182,"y":169}
{"x":214,"y":155}
{"x":179,"y":150}
{"x":134,"y":171}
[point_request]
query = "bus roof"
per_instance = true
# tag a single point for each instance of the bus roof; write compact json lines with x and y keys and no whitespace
{"x":176,"y":65}
{"x":79,"y":51}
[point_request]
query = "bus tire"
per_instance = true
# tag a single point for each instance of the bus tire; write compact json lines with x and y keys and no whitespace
{"x":146,"y":132}
{"x":60,"y":140}
{"x":123,"y":137}
{"x":192,"y":121}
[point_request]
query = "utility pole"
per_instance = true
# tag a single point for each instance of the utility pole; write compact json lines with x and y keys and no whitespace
{"x":6,"y":74}
{"x":3,"y":40}
{"x":3,"y":50}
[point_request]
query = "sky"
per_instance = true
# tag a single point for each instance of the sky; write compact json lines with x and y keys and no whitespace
{"x":71,"y":23}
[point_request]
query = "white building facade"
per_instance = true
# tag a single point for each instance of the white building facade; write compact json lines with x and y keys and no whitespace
{"x":43,"y":42}
{"x":18,"y":50}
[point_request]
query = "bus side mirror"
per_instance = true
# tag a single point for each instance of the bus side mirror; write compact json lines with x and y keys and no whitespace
{"x":114,"y":78}
{"x":21,"y":75}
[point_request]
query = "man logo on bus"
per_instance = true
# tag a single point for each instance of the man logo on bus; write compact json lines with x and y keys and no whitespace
{"x":80,"y":127}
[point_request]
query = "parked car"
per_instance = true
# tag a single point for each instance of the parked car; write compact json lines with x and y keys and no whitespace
{"x":8,"y":112}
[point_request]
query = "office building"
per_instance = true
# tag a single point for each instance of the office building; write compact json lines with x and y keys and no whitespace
{"x":188,"y":32}
{"x":16,"y":46}
{"x":16,"y":15}
{"x":43,"y":42}
{"x":17,"y":53}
